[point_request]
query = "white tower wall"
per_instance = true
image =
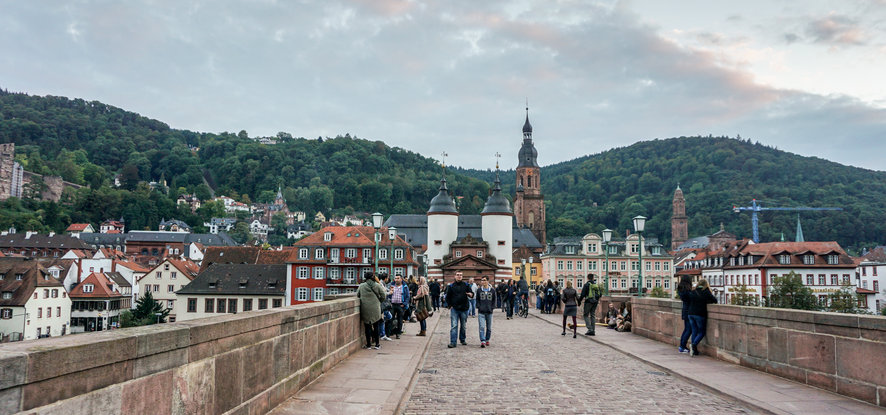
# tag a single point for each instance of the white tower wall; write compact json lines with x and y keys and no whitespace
{"x":444,"y":228}
{"x":498,"y":228}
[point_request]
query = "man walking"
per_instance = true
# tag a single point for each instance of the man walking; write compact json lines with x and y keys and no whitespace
{"x":434,"y":287}
{"x":523,"y":291}
{"x":399,"y":294}
{"x":457,"y":295}
{"x":590,"y":294}
{"x":485,"y":306}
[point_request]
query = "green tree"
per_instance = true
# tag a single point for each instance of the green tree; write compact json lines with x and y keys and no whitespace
{"x":789,"y":292}
{"x":240,"y":233}
{"x":658,"y":292}
{"x":148,"y":311}
{"x":845,"y":300}
{"x":741,"y":296}
{"x":203,"y":192}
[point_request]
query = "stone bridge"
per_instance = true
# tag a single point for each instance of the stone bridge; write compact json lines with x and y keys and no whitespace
{"x":307,"y":359}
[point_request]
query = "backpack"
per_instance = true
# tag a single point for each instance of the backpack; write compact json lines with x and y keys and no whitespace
{"x":550,"y":292}
{"x":594,"y":293}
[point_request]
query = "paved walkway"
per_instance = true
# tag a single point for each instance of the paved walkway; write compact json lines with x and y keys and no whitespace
{"x":369,"y":381}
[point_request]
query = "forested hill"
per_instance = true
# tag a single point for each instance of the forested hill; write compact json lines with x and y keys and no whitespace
{"x":90,"y":143}
{"x":715,"y":173}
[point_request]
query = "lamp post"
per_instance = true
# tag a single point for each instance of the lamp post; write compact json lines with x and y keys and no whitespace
{"x":607,"y":236}
{"x":639,"y":225}
{"x":392,"y":234}
{"x":523,"y":268}
{"x":376,"y":223}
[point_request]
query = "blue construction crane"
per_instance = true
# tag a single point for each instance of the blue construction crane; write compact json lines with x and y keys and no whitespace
{"x":754,"y":208}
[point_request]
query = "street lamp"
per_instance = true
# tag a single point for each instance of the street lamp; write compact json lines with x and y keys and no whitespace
{"x":639,"y":225}
{"x":607,"y":236}
{"x":392,"y":235}
{"x":523,"y":268}
{"x":376,"y":223}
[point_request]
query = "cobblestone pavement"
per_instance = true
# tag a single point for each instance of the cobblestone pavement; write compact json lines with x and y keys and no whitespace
{"x":531,"y":369}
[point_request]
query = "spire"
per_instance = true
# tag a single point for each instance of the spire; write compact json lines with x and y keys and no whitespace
{"x":527,"y":127}
{"x":799,"y":230}
{"x":443,"y":203}
{"x":497,"y":203}
{"x":528,"y":154}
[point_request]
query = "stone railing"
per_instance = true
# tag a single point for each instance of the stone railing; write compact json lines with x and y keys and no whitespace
{"x":842,"y":353}
{"x":238,"y":363}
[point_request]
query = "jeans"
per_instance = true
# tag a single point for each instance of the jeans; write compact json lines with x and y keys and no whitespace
{"x":472,"y":311}
{"x":589,"y":313}
{"x":371,"y":334}
{"x":423,"y":325}
{"x":485,"y":321}
{"x":698,"y":328}
{"x":399,"y":312}
{"x":687,"y":331}
{"x":436,"y":302}
{"x":457,"y":317}
{"x":381,"y":327}
{"x":539,"y":301}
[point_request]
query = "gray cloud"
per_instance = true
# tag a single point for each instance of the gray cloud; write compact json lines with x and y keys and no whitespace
{"x":428,"y":77}
{"x":836,"y":30}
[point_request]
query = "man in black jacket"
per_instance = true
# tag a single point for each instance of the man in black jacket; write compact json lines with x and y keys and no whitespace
{"x":434,"y":287}
{"x":457,"y":295}
{"x":590,"y":294}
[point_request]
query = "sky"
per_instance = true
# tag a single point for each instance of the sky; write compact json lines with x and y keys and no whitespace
{"x":454,"y":76}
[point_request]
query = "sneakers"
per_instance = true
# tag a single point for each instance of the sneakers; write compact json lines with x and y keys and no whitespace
{"x":451,"y":345}
{"x":376,"y":347}
{"x":692,"y":351}
{"x":397,"y":336}
{"x":464,"y":343}
{"x":682,"y":349}
{"x":386,"y":338}
{"x":589,"y":333}
{"x":482,"y":345}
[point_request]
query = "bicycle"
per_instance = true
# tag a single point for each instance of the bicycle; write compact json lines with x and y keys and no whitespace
{"x":523,"y":307}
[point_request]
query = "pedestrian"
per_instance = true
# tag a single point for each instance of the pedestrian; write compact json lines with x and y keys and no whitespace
{"x":699,"y":298}
{"x":413,"y":288}
{"x":539,"y":297}
{"x":549,"y":297}
{"x":510,"y":298}
{"x":683,"y":290}
{"x":485,"y":307}
{"x":501,"y":295}
{"x":590,"y":295}
{"x":371,"y":296}
{"x":473,"y":300}
{"x":557,"y":294}
{"x":423,"y":305}
{"x":457,"y":295}
{"x":434,"y":287}
{"x":523,"y":291}
{"x":570,"y":307}
{"x":398,"y":293}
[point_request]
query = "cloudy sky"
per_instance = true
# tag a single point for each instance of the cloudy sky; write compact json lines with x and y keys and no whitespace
{"x":804,"y":76}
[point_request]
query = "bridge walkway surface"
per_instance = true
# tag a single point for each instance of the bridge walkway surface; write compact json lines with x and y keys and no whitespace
{"x":531,"y":369}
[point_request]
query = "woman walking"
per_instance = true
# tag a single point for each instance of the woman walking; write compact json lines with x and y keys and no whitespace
{"x":699,"y":298}
{"x":549,"y":297}
{"x":683,"y":290}
{"x":570,"y":307}
{"x":510,"y":298}
{"x":371,"y":296}
{"x":423,"y":305}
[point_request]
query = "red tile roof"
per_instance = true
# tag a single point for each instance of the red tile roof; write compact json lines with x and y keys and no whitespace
{"x":77,"y":227}
{"x":348,"y":236}
{"x":102,"y":287}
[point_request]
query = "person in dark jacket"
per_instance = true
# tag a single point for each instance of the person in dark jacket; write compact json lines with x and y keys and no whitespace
{"x":485,"y":306}
{"x":590,"y":295}
{"x":699,"y":298}
{"x":500,"y":293}
{"x":683,"y":290}
{"x":457,"y":295}
{"x":550,"y":294}
{"x":434,"y":287}
{"x":511,"y":298}
{"x":570,"y":302}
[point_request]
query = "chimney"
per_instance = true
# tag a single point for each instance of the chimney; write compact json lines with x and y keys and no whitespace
{"x":79,"y":270}
{"x":627,"y":233}
{"x":51,"y":234}
{"x":28,"y":234}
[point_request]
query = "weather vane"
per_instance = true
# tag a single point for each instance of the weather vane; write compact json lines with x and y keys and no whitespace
{"x":497,"y":156}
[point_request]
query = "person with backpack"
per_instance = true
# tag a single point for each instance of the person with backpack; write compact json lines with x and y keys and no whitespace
{"x":590,"y":294}
{"x":550,"y":292}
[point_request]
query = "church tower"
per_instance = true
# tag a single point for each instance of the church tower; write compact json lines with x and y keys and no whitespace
{"x":529,"y":203}
{"x":679,"y":220}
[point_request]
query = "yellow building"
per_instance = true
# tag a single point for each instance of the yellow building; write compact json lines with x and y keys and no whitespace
{"x":526,"y":261}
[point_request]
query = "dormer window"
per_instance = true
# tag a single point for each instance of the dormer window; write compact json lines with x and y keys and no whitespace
{"x":784,"y":259}
{"x":272,"y":284}
{"x":834,"y":260}
{"x":570,"y":249}
{"x":87,"y":288}
{"x":303,"y":253}
{"x":327,"y":236}
{"x":19,"y":277}
{"x":213,"y":284}
{"x":398,"y":254}
{"x":808,"y":259}
{"x":243,"y":283}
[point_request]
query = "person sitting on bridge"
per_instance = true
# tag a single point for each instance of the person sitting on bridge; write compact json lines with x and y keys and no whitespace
{"x":623,"y":322}
{"x":612,"y":316}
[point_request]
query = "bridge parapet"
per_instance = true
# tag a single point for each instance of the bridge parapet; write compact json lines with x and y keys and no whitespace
{"x":842,"y":353}
{"x":236,"y":363}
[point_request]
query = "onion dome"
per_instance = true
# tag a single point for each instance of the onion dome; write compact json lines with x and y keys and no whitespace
{"x":497,"y":202}
{"x":442,"y":203}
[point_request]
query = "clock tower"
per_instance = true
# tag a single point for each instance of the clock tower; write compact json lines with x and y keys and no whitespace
{"x":529,"y":203}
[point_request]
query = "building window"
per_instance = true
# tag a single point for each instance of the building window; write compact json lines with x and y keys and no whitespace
{"x":845,"y":278}
{"x":658,"y":266}
{"x":810,"y":279}
{"x":278,"y":303}
{"x":87,"y":288}
{"x":156,"y":288}
{"x":209,"y":305}
{"x":569,"y":265}
{"x":579,"y":283}
{"x":458,"y":254}
{"x":367,"y":253}
{"x":382,"y":254}
{"x":821,"y":279}
{"x":532,"y":271}
{"x":303,"y":253}
{"x":479,"y":254}
{"x":262,"y":303}
{"x":58,"y":310}
{"x":559,"y":265}
{"x":501,"y":243}
{"x":318,"y":294}
{"x":808,"y":259}
{"x":578,"y":265}
{"x":6,"y":313}
{"x":350,"y":274}
{"x":633,"y":248}
{"x":333,"y":291}
{"x":326,"y":237}
{"x":833,"y":260}
{"x":398,"y":254}
{"x":570,"y":249}
{"x":667,"y":283}
{"x":220,"y":306}
{"x":592,"y":266}
{"x":247,"y":304}
{"x":877,"y":286}
{"x":667,"y":266}
{"x":232,"y":305}
{"x":170,"y":288}
{"x":302,"y":273}
{"x":318,"y":273}
{"x":438,"y":242}
{"x":173,"y":275}
{"x":624,"y":265}
{"x":170,"y":304}
{"x":192,"y":305}
{"x":318,"y":253}
{"x":398,"y":271}
{"x":302,"y":294}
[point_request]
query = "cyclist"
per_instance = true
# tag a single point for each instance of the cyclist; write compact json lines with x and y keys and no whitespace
{"x":523,"y":290}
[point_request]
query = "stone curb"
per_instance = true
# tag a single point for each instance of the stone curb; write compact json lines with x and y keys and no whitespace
{"x":423,"y":356}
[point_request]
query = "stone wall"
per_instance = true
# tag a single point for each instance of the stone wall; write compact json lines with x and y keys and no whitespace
{"x":842,"y":353}
{"x":239,"y":363}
